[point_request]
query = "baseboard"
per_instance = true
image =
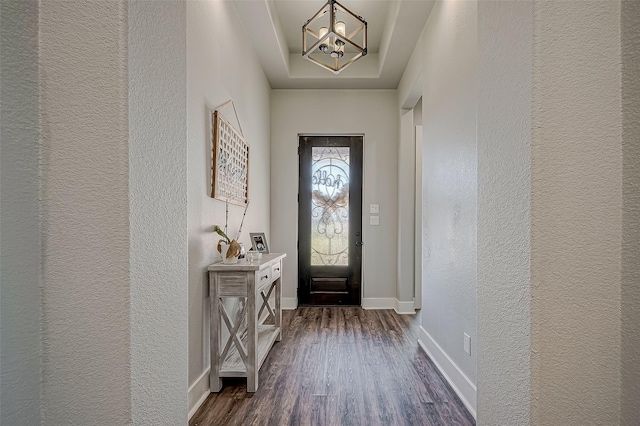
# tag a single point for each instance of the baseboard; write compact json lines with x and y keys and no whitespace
{"x":404,"y":308}
{"x":378,"y":302}
{"x":198,"y":392}
{"x":463,"y":387}
{"x":289,"y":303}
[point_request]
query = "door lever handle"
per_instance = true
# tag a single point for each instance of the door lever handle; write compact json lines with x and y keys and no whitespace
{"x":359,"y":243}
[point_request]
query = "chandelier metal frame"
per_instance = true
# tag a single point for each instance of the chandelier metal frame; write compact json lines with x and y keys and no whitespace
{"x":334,"y":37}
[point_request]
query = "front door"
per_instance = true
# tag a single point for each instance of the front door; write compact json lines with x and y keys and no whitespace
{"x":330,"y":220}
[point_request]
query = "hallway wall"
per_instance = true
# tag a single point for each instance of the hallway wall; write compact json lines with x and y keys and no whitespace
{"x":447,"y":52}
{"x":406,"y":256}
{"x":85,"y":213}
{"x":504,"y":214}
{"x":113,"y":176}
{"x":220,"y":66}
{"x":20,"y":241}
{"x":158,"y":210}
{"x":630,"y":294}
{"x":576,"y":213}
{"x":372,"y":112}
{"x":557,"y":187}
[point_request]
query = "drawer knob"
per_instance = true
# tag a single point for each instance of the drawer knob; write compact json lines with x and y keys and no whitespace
{"x":264,"y":277}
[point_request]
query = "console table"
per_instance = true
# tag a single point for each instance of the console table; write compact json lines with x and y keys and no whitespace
{"x":250,"y":338}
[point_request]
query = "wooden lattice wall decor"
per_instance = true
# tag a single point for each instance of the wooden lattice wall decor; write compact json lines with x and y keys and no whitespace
{"x":230,"y":163}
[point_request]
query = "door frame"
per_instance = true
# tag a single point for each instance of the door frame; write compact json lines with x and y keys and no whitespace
{"x":362,"y":213}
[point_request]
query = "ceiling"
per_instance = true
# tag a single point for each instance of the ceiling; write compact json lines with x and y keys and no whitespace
{"x":274,"y":27}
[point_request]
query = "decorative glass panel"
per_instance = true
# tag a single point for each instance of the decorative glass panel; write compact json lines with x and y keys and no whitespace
{"x":330,"y":206}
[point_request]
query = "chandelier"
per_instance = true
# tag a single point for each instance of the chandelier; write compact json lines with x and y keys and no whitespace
{"x":334,"y":38}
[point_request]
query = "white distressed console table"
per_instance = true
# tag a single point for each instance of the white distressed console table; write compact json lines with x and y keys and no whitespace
{"x":250,"y":339}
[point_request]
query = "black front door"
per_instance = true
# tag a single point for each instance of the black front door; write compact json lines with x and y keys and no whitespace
{"x":330,"y":220}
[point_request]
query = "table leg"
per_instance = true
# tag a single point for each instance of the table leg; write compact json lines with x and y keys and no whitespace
{"x":252,"y":343}
{"x":278,"y":320}
{"x":215,"y":383}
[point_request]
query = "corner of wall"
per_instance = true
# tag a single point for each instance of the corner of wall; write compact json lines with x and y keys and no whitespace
{"x":289,"y":303}
{"x":20,"y":224}
{"x":404,"y":308}
{"x":630,"y":294}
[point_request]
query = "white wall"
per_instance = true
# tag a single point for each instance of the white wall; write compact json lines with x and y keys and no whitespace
{"x":114,"y":325}
{"x":576,"y":213}
{"x":552,"y":75}
{"x":220,"y":66}
{"x":158,"y":211}
{"x":449,"y":48}
{"x":504,"y":216}
{"x":85,"y":213}
{"x":630,"y":294}
{"x":368,"y":112}
{"x":20,"y":264}
{"x":406,"y":212}
{"x":417,"y":113}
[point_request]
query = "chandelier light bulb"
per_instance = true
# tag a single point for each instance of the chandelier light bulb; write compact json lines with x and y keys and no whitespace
{"x":340,"y":30}
{"x":323,"y":46}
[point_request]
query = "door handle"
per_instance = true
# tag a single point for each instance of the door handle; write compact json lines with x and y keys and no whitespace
{"x":359,"y":243}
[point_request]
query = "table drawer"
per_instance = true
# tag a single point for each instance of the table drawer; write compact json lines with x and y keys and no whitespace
{"x":232,"y":284}
{"x":276,"y":270}
{"x":264,"y":277}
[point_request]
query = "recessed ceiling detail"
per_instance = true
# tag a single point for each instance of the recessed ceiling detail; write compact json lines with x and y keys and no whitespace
{"x":273,"y":27}
{"x":334,"y":37}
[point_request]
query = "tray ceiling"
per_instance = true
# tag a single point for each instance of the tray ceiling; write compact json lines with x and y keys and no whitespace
{"x":274,"y":27}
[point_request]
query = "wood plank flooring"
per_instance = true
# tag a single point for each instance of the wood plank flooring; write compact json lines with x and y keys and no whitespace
{"x":341,"y":366}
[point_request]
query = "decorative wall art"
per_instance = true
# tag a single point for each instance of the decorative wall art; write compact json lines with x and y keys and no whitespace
{"x":230,"y":162}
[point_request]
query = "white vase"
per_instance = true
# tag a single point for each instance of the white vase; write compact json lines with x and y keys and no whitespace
{"x":223,"y":252}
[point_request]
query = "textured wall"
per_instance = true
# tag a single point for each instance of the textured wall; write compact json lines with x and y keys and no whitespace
{"x":504,"y":136}
{"x":158,"y":205}
{"x":630,"y":294}
{"x":576,"y":212}
{"x":216,"y":73}
{"x":85,"y":214}
{"x":373,"y":113}
{"x":20,"y":302}
{"x":450,"y":179}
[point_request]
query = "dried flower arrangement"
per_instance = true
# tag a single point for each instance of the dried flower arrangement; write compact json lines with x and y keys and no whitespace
{"x":234,"y":247}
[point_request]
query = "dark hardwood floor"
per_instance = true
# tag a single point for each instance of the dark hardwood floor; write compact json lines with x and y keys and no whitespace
{"x":341,"y":366}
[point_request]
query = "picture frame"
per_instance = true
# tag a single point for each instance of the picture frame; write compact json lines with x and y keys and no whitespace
{"x":259,"y":242}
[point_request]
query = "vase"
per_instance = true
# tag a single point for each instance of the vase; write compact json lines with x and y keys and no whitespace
{"x":224,"y":249}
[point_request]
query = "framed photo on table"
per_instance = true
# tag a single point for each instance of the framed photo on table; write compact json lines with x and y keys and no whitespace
{"x":259,"y":242}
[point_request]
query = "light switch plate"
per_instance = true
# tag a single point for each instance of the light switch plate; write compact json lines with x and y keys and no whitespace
{"x":374,"y":208}
{"x":374,"y":220}
{"x":467,"y":344}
